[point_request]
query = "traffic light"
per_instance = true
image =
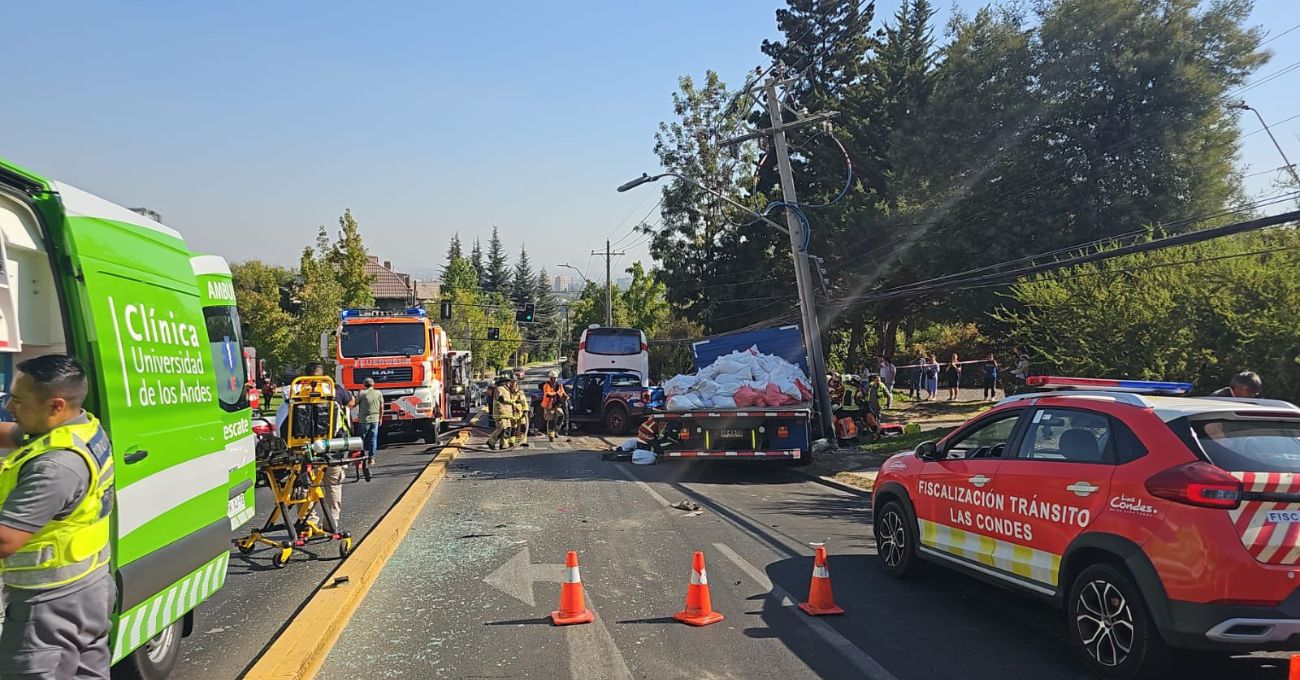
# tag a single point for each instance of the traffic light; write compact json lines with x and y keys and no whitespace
{"x":494,"y":334}
{"x":444,"y":311}
{"x":525,"y":315}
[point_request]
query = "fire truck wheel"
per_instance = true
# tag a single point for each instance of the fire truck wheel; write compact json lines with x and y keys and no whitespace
{"x":430,"y":431}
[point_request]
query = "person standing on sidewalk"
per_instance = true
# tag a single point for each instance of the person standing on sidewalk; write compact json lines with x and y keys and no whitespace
{"x":56,"y":499}
{"x":370,"y":408}
{"x":953,"y":376}
{"x":888,"y":372}
{"x":875,"y":395}
{"x":991,"y":377}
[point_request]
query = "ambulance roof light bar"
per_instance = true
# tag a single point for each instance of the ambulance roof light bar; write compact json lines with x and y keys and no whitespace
{"x":1109,"y":385}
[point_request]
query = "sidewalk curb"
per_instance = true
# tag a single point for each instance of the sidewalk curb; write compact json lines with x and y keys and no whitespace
{"x":835,"y":484}
{"x":300,"y":648}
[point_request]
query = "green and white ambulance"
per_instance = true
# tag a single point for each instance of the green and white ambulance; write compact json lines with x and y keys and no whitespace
{"x":156,"y":328}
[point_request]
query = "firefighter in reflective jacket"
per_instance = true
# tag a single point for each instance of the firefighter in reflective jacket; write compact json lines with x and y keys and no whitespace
{"x":56,"y":497}
{"x":851,"y":402}
{"x":522,"y":407}
{"x":553,"y":398}
{"x":503,"y":412}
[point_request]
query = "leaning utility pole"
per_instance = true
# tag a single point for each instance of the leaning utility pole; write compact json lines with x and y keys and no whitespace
{"x":609,"y":286}
{"x":812,"y":335}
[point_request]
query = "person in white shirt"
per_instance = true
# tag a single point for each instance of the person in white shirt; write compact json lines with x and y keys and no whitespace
{"x":888,"y":372}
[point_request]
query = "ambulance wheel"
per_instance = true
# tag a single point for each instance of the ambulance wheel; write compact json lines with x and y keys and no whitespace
{"x":1109,"y":622}
{"x":155,"y":659}
{"x":281,"y":558}
{"x":896,"y":541}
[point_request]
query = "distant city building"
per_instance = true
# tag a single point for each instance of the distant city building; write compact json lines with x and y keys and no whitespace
{"x":148,"y":213}
{"x":391,"y":290}
{"x":562,"y":282}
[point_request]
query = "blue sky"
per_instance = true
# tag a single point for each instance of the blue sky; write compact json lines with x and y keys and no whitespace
{"x":247,"y":124}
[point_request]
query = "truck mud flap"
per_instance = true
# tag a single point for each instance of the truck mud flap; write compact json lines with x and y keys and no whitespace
{"x":141,"y":579}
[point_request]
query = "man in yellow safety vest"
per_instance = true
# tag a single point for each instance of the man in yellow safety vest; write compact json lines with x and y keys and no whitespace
{"x":56,"y":496}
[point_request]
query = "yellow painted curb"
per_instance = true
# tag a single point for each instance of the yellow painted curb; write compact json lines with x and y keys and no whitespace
{"x":299,"y":651}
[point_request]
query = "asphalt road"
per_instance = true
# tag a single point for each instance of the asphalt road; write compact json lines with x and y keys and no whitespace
{"x":233,"y":626}
{"x":467,"y":593}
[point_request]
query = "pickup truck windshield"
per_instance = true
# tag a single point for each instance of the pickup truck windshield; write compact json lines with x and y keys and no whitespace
{"x":382,"y":339}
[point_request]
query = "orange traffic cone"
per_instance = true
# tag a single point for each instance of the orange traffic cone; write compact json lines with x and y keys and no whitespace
{"x":1294,"y":674}
{"x":699,"y":608}
{"x":820,"y":602}
{"x":573,"y":604}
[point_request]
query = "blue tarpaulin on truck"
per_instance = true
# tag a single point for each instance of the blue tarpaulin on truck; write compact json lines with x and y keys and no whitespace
{"x":784,"y":341}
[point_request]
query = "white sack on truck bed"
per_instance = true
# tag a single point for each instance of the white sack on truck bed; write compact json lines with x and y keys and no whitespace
{"x":740,"y":379}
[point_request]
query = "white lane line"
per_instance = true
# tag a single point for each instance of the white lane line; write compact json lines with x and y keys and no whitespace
{"x":859,"y":659}
{"x":653,"y":494}
{"x":592,"y":652}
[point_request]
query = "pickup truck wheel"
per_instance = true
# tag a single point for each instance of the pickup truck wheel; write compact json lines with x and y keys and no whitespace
{"x":155,"y":659}
{"x":616,"y":420}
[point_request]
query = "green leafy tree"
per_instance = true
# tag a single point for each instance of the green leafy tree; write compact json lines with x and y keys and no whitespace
{"x":589,"y":309}
{"x":348,"y":260}
{"x":321,"y":295}
{"x":705,"y":250}
{"x":1198,"y":314}
{"x":497,"y":277}
{"x":267,"y":326}
{"x":647,"y":306}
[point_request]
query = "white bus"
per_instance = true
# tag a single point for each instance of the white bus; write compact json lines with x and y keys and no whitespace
{"x":606,"y":349}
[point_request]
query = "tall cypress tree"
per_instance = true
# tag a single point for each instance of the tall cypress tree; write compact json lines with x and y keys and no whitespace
{"x":454,"y":253}
{"x":476,"y":259}
{"x":497,"y":276}
{"x":525,"y":281}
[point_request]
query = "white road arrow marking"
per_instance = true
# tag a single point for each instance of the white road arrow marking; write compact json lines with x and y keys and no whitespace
{"x":516,"y":577}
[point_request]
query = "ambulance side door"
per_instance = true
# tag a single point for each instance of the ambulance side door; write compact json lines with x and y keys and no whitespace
{"x":134,"y":290}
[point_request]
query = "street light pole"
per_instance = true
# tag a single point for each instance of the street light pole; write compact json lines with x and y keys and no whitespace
{"x":1242,"y":105}
{"x":795,"y":230}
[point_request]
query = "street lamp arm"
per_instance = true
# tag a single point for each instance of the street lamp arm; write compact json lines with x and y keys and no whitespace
{"x":645,"y":179}
{"x":584,"y":276}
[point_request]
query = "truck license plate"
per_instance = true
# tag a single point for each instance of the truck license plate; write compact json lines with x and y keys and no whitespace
{"x":235,"y":505}
{"x":732,"y":434}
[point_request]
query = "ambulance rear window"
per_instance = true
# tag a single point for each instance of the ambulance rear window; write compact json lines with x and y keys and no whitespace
{"x":1252,"y":445}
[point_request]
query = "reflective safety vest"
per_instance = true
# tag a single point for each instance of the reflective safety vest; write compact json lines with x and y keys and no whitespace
{"x":550,"y":394}
{"x":852,"y":395}
{"x":69,"y":549}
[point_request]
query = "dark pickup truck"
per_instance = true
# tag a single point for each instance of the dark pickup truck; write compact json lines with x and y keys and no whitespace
{"x":615,"y":399}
